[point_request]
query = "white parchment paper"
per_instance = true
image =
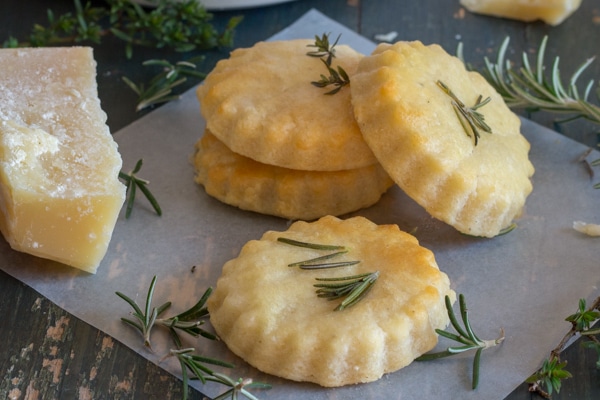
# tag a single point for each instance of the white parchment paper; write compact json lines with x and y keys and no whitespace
{"x":525,"y":282}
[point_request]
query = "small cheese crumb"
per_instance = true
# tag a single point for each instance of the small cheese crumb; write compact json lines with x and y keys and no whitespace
{"x":588,"y":229}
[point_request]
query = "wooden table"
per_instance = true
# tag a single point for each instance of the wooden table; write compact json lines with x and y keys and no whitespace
{"x":46,"y":353}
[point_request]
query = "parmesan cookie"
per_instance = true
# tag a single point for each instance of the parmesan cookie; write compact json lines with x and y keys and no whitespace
{"x":269,"y":314}
{"x":283,"y":192}
{"x":478,"y":185}
{"x":261,"y":104}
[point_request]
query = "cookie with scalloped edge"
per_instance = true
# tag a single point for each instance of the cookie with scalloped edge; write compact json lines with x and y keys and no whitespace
{"x":261,"y":104}
{"x":409,"y":121}
{"x":269,"y":314}
{"x":242,"y":182}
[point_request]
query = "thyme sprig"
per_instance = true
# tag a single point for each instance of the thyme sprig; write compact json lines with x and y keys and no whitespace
{"x":471,"y":120}
{"x":465,"y":336}
{"x":323,"y":48}
{"x":160,"y":88}
{"x":529,"y":88}
{"x":352,"y":288}
{"x":549,"y":377}
{"x":326,"y":52}
{"x":179,"y":25}
{"x":132,"y":183}
{"x":193,"y":366}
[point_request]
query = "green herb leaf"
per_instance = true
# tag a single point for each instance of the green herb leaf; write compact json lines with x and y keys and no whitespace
{"x":466,"y":336}
{"x":351,"y":288}
{"x":180,"y":25}
{"x":471,"y":120}
{"x":132,"y":183}
{"x":529,"y":88}
{"x":326,"y":52}
{"x":160,"y":88}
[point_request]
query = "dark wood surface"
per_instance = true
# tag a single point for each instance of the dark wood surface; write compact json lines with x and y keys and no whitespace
{"x":46,"y":353}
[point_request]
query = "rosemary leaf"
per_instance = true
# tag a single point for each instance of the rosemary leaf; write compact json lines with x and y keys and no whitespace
{"x":471,"y":120}
{"x":352,"y":288}
{"x":466,"y":336}
{"x":309,"y":245}
{"x":132,"y":183}
{"x":529,"y":88}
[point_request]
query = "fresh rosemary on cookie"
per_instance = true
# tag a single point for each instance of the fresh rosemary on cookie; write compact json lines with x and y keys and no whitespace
{"x":470,"y":119}
{"x":351,"y":288}
{"x":337,"y":77}
{"x":310,"y":245}
{"x":466,"y":337}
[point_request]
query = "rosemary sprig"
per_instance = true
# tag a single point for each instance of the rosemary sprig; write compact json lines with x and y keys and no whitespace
{"x":471,"y":120}
{"x":132,"y":183}
{"x":314,"y":246}
{"x":144,"y":320}
{"x":237,"y":388}
{"x":549,"y":377}
{"x":464,"y":336}
{"x":317,"y":262}
{"x":179,"y":25}
{"x":326,"y":52}
{"x":188,"y":322}
{"x":527,"y":87}
{"x":160,"y":87}
{"x":196,"y":366}
{"x":352,"y":288}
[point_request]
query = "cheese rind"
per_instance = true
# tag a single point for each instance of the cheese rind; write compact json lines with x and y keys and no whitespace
{"x":552,"y":12}
{"x":60,"y":195}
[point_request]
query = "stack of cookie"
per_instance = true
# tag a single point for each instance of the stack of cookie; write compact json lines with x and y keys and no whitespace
{"x":277,"y":145}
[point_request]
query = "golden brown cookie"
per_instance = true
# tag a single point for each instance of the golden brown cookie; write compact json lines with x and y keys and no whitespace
{"x":261,"y":104}
{"x":412,"y":126}
{"x":269,"y":314}
{"x":250,"y":185}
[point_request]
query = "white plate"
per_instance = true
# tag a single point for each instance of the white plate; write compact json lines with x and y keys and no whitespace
{"x":215,"y":5}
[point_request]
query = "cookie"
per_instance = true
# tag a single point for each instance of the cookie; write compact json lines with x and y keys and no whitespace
{"x":250,"y":185}
{"x":261,"y":104}
{"x":268,"y":313}
{"x":402,"y":99}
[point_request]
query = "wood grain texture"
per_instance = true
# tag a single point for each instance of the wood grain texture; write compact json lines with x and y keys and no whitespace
{"x":46,"y":353}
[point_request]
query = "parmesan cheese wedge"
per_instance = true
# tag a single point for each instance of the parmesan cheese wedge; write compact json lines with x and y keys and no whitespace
{"x":60,"y":195}
{"x":552,"y":12}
